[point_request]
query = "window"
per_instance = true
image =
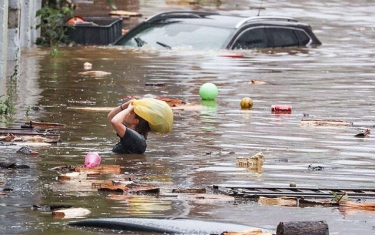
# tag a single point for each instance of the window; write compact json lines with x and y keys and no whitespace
{"x":175,"y":34}
{"x":250,"y":39}
{"x":263,"y":37}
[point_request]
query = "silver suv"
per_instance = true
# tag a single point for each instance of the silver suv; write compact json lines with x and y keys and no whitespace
{"x":198,"y":30}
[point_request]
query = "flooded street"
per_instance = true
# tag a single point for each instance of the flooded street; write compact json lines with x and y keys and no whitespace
{"x":334,"y":81}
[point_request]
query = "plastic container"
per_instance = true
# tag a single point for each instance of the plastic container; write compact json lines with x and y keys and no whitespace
{"x":96,"y":31}
{"x":281,"y":109}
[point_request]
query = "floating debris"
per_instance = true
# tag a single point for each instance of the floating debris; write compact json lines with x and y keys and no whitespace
{"x":315,"y":168}
{"x":249,"y":162}
{"x":71,"y":213}
{"x":95,"y":73}
{"x":325,"y":122}
{"x":363,"y":134}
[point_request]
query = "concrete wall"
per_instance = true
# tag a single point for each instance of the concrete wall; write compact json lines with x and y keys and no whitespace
{"x":28,"y":32}
{"x":3,"y":39}
{"x":14,"y":17}
{"x":17,"y":31}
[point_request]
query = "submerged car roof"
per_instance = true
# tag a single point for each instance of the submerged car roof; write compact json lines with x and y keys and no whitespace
{"x":219,"y":20}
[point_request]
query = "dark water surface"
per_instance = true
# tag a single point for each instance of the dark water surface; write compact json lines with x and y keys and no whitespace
{"x":333,"y":81}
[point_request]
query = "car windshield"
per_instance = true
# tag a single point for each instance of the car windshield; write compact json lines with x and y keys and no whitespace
{"x":177,"y":34}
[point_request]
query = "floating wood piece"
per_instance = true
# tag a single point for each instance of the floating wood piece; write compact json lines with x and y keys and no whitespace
{"x":350,"y":208}
{"x":44,"y":124}
{"x":130,"y":189}
{"x":321,"y":202}
{"x":95,"y":73}
{"x":278,"y":201}
{"x":102,"y":183}
{"x":154,"y":84}
{"x":302,"y":228}
{"x":104,"y":169}
{"x":71,"y":213}
{"x":203,"y":198}
{"x":125,"y":14}
{"x":325,"y":122}
{"x":256,"y":82}
{"x":199,"y":190}
{"x":255,"y":231}
{"x":256,"y":192}
{"x":69,"y":176}
{"x":252,"y":162}
{"x":22,"y":131}
{"x":368,"y":206}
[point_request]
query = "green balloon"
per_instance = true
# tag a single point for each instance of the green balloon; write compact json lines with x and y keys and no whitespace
{"x":208,"y":91}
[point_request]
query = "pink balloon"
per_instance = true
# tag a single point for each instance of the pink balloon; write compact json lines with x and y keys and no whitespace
{"x":92,"y":160}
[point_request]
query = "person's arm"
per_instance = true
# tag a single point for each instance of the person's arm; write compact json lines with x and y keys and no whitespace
{"x":117,"y":115}
{"x":117,"y":110}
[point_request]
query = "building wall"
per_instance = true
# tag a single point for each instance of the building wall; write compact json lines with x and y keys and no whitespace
{"x":3,"y":39}
{"x":17,"y":31}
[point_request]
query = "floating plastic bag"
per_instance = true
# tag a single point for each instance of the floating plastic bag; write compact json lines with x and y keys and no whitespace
{"x":92,"y":160}
{"x":156,"y":112}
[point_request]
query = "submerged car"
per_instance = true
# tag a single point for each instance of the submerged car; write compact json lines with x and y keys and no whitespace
{"x":199,"y":30}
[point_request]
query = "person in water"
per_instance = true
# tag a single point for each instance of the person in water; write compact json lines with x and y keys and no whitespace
{"x":131,"y":128}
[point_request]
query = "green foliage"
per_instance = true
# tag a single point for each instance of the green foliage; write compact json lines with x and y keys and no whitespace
{"x":112,"y":4}
{"x":51,"y":25}
{"x":7,"y":105}
{"x":340,"y":198}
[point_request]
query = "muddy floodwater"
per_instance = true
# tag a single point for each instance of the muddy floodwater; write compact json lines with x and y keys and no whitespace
{"x":334,"y":81}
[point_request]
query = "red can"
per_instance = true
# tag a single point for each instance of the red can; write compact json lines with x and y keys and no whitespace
{"x":280,"y":108}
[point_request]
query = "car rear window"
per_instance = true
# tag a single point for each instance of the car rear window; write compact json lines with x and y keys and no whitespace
{"x":177,"y":34}
{"x":271,"y":37}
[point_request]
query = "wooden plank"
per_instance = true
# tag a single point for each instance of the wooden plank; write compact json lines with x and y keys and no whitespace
{"x":22,"y":131}
{"x":104,"y":169}
{"x":255,"y":192}
{"x":199,"y":190}
{"x":71,"y":213}
{"x":44,"y":124}
{"x":124,"y":189}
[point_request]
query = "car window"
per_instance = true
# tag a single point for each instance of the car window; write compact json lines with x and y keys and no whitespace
{"x":270,"y":37}
{"x":302,"y":37}
{"x":175,"y":34}
{"x":250,"y":39}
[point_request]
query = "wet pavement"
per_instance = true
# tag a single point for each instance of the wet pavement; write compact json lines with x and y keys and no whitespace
{"x":333,"y":81}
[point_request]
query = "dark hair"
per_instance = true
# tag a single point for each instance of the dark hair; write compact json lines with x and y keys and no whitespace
{"x":143,"y":127}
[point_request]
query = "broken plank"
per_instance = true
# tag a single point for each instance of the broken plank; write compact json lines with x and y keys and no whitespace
{"x":71,"y":213}
{"x":105,"y":169}
{"x":124,"y":189}
{"x":278,"y":201}
{"x":248,"y":232}
{"x":21,"y":131}
{"x":198,"y":190}
{"x":369,"y":206}
{"x":44,"y":124}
